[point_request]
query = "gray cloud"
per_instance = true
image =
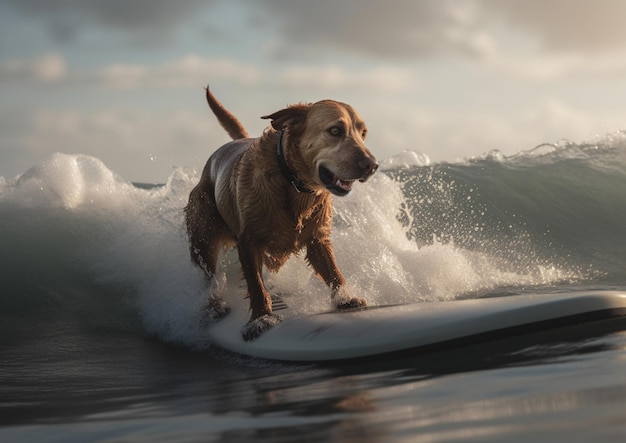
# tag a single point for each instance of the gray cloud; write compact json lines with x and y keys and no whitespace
{"x":406,"y":28}
{"x":400,"y":29}
{"x":566,"y":25}
{"x":397,"y":28}
{"x":65,"y":19}
{"x":49,"y":68}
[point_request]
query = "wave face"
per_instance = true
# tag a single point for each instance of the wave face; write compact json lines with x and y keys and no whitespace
{"x":83,"y":248}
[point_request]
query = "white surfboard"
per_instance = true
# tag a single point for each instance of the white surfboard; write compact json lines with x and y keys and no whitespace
{"x":377,"y":331}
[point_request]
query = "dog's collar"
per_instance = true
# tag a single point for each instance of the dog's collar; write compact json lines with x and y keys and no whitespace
{"x":284,"y":168}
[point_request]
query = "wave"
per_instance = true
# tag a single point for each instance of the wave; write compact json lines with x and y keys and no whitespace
{"x":83,"y":247}
{"x":560,"y":205}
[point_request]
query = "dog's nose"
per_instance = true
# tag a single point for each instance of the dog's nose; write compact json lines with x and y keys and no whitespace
{"x":368,"y":165}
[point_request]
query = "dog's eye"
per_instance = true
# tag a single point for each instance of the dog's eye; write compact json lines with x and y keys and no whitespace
{"x":335,"y":131}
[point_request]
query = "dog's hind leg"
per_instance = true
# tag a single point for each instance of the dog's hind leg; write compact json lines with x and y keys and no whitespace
{"x":208,"y":235}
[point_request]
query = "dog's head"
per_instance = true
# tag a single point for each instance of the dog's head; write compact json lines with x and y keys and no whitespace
{"x":329,"y":140}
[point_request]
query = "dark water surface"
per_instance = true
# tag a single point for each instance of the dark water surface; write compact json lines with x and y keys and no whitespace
{"x":115,"y":387}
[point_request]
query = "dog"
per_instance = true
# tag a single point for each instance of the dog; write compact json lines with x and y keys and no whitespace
{"x":271,"y":197}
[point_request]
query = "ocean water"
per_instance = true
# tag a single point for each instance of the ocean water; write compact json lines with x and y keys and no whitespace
{"x":102,"y":337}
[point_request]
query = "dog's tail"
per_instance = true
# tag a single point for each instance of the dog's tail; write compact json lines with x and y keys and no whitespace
{"x":228,"y":121}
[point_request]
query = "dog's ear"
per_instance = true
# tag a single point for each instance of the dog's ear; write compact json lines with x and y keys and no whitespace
{"x":290,"y":117}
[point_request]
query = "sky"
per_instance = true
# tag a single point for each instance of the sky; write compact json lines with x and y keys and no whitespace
{"x":122,"y":80}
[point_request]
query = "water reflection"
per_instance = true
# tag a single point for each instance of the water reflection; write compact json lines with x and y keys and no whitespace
{"x":478,"y":393}
{"x":515,"y":417}
{"x":541,"y":387}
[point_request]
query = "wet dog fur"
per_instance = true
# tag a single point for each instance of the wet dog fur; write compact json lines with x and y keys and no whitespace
{"x":245,"y":199}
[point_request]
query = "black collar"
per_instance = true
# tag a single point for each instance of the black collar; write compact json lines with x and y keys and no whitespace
{"x":284,"y":168}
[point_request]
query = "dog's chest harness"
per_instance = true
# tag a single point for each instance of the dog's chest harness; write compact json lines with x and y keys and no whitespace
{"x":284,"y":168}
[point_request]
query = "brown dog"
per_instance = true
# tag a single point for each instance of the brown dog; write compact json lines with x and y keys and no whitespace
{"x":271,"y":197}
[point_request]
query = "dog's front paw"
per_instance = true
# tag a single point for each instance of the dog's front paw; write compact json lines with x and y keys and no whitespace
{"x":343,"y":300}
{"x":352,"y":303}
{"x":254,"y":328}
{"x":216,"y":309}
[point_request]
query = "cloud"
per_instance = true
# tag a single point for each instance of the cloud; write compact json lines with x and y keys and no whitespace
{"x":194,"y":70}
{"x":48,"y":68}
{"x":335,"y":77}
{"x":191,"y":70}
{"x":188,"y":71}
{"x":450,"y":133}
{"x":66,"y":19}
{"x":409,"y":30}
{"x":137,"y":144}
{"x":391,"y":30}
{"x":544,"y":68}
{"x":566,"y":25}
{"x":396,"y":29}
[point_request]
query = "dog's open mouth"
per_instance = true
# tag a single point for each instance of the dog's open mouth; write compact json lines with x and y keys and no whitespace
{"x":333,"y":183}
